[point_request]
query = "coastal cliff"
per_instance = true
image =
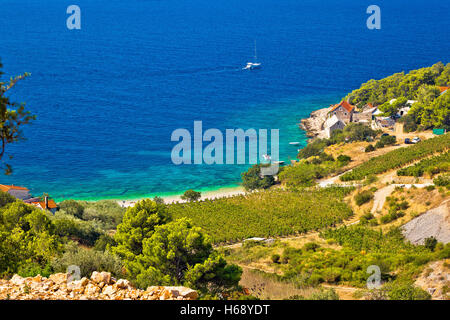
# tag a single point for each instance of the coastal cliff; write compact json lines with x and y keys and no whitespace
{"x":314,"y":124}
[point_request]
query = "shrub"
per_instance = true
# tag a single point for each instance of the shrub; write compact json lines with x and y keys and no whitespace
{"x":343,"y":158}
{"x":85,"y":232}
{"x":191,"y":195}
{"x":311,"y":246}
{"x":6,"y":198}
{"x":370,"y":148}
{"x":406,"y":292}
{"x":430,"y":243}
{"x":27,"y":238}
{"x":379,"y":145}
{"x":104,"y":242}
{"x":72,"y":207}
{"x":107,"y":212}
{"x":388,"y":140}
{"x":253,"y":180}
{"x":328,"y":294}
{"x":366,"y":218}
{"x":275,"y":258}
{"x":442,"y":181}
{"x":88,"y":261}
{"x":363,"y":197}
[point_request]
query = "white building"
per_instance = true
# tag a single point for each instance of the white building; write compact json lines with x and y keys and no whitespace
{"x":47,"y":204}
{"x":333,"y":124}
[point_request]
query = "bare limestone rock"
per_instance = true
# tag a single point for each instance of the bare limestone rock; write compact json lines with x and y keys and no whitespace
{"x":99,"y":277}
{"x":99,"y":286}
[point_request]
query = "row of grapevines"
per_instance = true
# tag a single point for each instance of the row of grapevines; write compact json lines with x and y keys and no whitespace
{"x":266,"y":213}
{"x":433,"y":165}
{"x":398,"y":158}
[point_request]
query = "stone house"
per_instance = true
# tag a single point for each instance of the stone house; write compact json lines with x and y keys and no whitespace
{"x":333,"y":124}
{"x":21,"y":193}
{"x":344,"y":111}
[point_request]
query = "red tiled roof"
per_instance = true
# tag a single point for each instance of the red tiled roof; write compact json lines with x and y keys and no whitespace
{"x":442,"y":89}
{"x":347,"y":106}
{"x":51,"y":204}
{"x":6,"y":188}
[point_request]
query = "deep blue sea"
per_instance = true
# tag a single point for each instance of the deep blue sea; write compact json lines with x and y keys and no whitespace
{"x":107,"y":97}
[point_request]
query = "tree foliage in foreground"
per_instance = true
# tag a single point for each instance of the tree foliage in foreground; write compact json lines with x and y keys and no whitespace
{"x":12,"y":117}
{"x":138,"y":223}
{"x":27,"y":239}
{"x":178,"y":253}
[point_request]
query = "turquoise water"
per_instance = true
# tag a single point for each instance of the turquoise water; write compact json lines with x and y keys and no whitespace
{"x":107,"y":97}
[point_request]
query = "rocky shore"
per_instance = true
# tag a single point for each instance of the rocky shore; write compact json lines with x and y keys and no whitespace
{"x":101,"y":286}
{"x":314,"y":124}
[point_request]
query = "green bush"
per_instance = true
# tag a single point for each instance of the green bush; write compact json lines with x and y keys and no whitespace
{"x":253,"y":180}
{"x":191,"y":195}
{"x":442,"y":181}
{"x":406,"y":291}
{"x":430,"y":243}
{"x":370,"y":148}
{"x":344,"y":159}
{"x":388,"y":140}
{"x":363,"y":197}
{"x":88,"y":261}
{"x":85,"y":232}
{"x":27,"y":239}
{"x":311,"y":246}
{"x":72,"y":207}
{"x":275,"y":258}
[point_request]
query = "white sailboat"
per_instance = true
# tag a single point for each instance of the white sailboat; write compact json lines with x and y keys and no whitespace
{"x":253,"y":65}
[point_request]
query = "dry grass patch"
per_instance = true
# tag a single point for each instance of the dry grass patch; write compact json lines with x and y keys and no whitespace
{"x":268,"y":287}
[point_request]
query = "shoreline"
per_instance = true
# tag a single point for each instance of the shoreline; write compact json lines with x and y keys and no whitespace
{"x":222,"y":192}
{"x":313,"y":125}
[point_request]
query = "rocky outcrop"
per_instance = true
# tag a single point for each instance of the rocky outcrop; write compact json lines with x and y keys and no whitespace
{"x":435,"y":279}
{"x":101,"y":286}
{"x":433,"y":223}
{"x":314,"y":124}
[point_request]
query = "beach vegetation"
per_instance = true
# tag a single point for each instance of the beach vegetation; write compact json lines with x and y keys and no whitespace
{"x":191,"y":195}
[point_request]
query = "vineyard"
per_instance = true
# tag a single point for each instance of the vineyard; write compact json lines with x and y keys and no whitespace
{"x":431,"y":166}
{"x":266,"y":213}
{"x":398,"y":158}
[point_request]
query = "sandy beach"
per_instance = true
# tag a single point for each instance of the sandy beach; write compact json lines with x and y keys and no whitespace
{"x":213,"y":194}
